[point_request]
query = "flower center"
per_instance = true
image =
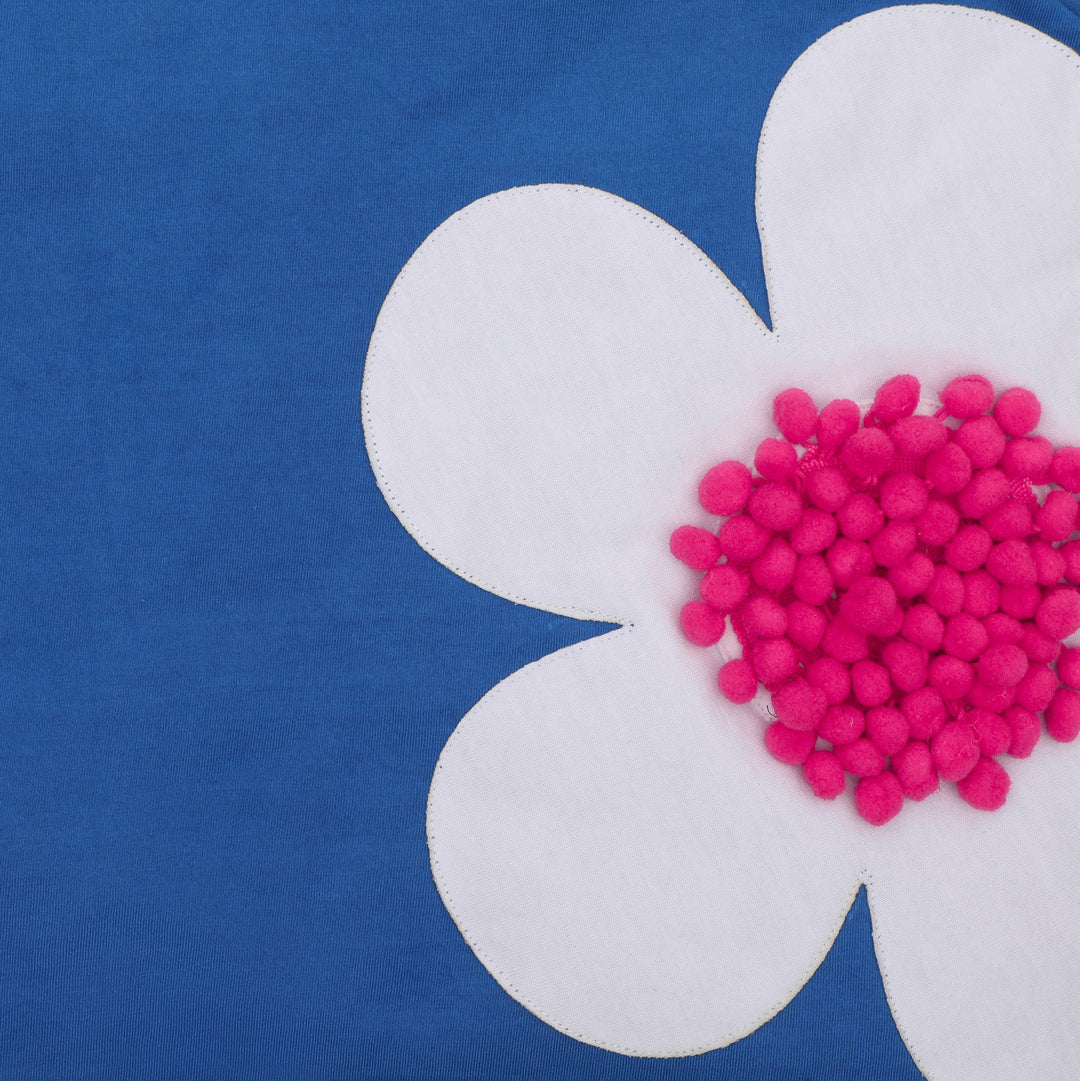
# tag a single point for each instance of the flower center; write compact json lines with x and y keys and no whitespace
{"x":894,"y":589}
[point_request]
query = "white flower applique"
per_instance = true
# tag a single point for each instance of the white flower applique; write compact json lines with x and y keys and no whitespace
{"x":553,"y":372}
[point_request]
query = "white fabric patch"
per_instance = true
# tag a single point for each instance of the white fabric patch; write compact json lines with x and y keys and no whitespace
{"x":550,"y":376}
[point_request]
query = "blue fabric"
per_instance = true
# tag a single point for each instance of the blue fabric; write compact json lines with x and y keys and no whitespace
{"x":227,"y":670}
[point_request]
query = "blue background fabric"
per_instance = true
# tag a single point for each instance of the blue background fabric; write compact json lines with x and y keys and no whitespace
{"x":227,"y":671}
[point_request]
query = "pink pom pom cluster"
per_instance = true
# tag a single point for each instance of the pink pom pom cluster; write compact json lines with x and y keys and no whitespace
{"x":899,"y":587}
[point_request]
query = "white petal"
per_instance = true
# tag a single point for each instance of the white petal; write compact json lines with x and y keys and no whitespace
{"x":536,"y":374}
{"x":624,"y":857}
{"x":975,"y":924}
{"x":918,"y":185}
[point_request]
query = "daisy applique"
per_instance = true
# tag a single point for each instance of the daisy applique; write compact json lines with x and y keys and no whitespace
{"x":550,"y":379}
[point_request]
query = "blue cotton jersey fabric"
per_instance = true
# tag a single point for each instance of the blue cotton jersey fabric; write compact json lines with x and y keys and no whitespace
{"x":227,"y":671}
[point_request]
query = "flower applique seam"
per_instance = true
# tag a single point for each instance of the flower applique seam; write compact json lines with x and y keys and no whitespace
{"x":868,"y":880}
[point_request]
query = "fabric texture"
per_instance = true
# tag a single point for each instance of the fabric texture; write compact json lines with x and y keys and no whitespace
{"x":228,"y":670}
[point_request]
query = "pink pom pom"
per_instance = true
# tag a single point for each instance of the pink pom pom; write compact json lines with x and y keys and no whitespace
{"x":848,"y":560}
{"x":986,"y":787}
{"x":951,"y":676}
{"x":968,"y":396}
{"x":991,"y":730}
{"x":775,"y":567}
{"x":1068,"y":667}
{"x":814,"y":532}
{"x":838,"y":420}
{"x":737,"y":681}
{"x":1065,"y":468}
{"x":725,"y":488}
{"x":924,"y":627}
{"x":860,"y":517}
{"x":842,"y":724}
{"x":860,"y":758}
{"x":896,"y":398}
{"x":981,"y":440}
{"x":982,"y":594}
{"x":824,"y":774}
{"x":870,"y":683}
{"x":888,"y":728}
{"x":787,"y":745}
{"x":1002,"y":665}
{"x":948,"y":470}
{"x":697,"y":548}
{"x":795,"y":414}
{"x":915,"y":770}
{"x":1029,"y":457}
{"x":813,"y":582}
{"x":1058,"y":615}
{"x":763,"y":616}
{"x":965,"y":637}
{"x":775,"y":506}
{"x":955,"y":749}
{"x":832,"y":677}
{"x":1049,"y":563}
{"x":1071,"y":554}
{"x":724,"y":587}
{"x":1026,"y":730}
{"x":867,"y":452}
{"x":800,"y":705}
{"x":868,"y":605}
{"x":1037,"y":688}
{"x":903,"y":496}
{"x":1011,"y":519}
{"x":1011,"y":563}
{"x":828,"y":488}
{"x":946,"y":592}
{"x":986,"y":491}
{"x":1022,"y":602}
{"x":916,"y":437}
{"x":1038,"y":646}
{"x":906,"y":663}
{"x":1056,"y":518}
{"x":843,"y":643}
{"x":774,"y":660}
{"x":1003,"y":628}
{"x":924,"y":711}
{"x":968,"y":550}
{"x":894,"y":543}
{"x":1063,"y":715}
{"x":701,"y":624}
{"x":912,"y":576}
{"x":879,"y":799}
{"x":994,"y":699}
{"x":806,"y":625}
{"x":775,"y":459}
{"x":938,"y":523}
{"x":1017,"y":411}
{"x":742,"y":539}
